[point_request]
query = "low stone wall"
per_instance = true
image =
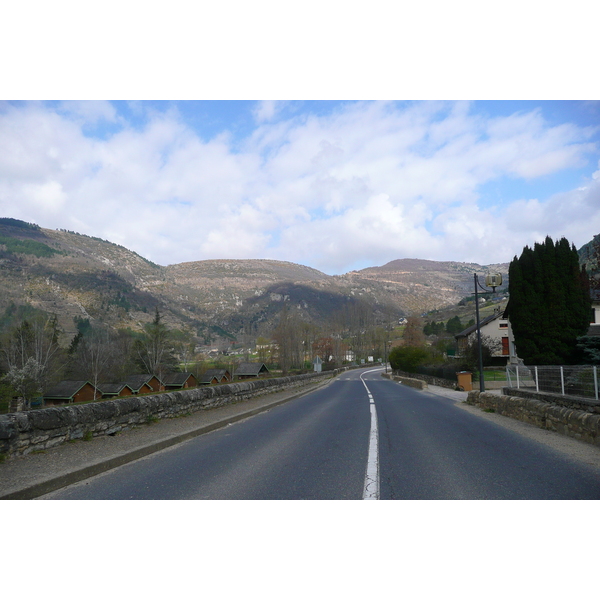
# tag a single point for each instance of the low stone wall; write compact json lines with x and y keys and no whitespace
{"x":579,"y":403}
{"x":25,"y":432}
{"x":415,"y":383}
{"x":571,"y":420}
{"x":427,"y":379}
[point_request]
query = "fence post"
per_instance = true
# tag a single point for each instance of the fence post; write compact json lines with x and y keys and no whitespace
{"x":537,"y":386}
{"x":508,"y":376}
{"x":596,"y":381}
{"x":518,"y":381}
{"x":562,"y":380}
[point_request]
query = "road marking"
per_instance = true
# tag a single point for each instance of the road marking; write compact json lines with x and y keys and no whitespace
{"x":371,"y":488}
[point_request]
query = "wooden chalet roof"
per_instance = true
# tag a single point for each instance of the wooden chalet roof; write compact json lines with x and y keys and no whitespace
{"x":65,"y":389}
{"x":251,"y":369}
{"x":210,"y":374}
{"x":135,"y":382}
{"x":113,"y":388}
{"x":176,"y":378}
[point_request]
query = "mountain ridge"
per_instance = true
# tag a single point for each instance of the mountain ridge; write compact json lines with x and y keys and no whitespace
{"x":77,"y":276}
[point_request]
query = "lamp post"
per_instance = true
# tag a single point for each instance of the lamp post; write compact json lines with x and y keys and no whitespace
{"x":492,"y":281}
{"x":385,"y":353}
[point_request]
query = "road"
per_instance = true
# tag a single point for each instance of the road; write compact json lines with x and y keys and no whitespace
{"x":360,"y":437}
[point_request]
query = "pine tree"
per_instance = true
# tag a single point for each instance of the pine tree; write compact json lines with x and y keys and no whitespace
{"x":549,"y":305}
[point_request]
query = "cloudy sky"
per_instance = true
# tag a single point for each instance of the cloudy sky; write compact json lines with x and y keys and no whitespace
{"x":333,"y":185}
{"x":348,"y":168}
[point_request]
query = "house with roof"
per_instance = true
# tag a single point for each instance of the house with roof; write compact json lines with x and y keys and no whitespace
{"x":251,"y":369}
{"x":115,"y":390}
{"x":595,"y":319}
{"x":67,"y":392}
{"x":214,"y":376}
{"x":144,"y":383}
{"x":179,"y":381}
{"x":497,"y":328}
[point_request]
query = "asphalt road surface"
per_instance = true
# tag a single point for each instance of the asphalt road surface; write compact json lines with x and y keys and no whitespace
{"x":360,"y":437}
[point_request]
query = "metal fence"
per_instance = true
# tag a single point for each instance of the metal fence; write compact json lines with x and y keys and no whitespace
{"x":566,"y":380}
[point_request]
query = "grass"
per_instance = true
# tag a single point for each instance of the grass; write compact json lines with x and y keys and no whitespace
{"x":87,"y":436}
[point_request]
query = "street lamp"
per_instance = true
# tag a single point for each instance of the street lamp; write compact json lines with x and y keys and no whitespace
{"x":492,"y":281}
{"x":385,"y":352}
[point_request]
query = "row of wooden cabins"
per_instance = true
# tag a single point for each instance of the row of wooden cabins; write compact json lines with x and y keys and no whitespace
{"x":67,"y":392}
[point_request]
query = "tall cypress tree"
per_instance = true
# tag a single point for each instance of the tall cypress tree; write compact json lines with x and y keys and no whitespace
{"x":549,"y":303}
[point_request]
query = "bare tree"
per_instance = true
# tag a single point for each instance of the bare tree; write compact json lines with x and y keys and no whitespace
{"x":91,"y":356}
{"x":413,"y":333}
{"x":33,"y":356}
{"x":154,"y":351}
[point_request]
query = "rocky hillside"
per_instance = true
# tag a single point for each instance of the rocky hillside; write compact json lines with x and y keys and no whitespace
{"x":77,"y":276}
{"x":418,"y":286}
{"x":589,"y":255}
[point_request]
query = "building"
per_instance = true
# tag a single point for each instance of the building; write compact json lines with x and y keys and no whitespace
{"x":214,"y":376}
{"x":115,"y":390}
{"x":495,"y":327}
{"x":179,"y":381}
{"x":67,"y":392}
{"x":144,"y":383}
{"x":248,"y":370}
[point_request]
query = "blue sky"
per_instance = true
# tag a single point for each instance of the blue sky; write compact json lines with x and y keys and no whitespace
{"x":336,"y":185}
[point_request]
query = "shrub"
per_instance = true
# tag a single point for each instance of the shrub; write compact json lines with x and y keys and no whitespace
{"x":408,"y":358}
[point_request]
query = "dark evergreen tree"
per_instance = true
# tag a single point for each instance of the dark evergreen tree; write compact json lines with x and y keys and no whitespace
{"x":454,"y":325}
{"x":549,"y":303}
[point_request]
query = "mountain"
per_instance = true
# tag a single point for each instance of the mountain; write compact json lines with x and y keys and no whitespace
{"x":418,"y":286}
{"x":80,"y":277}
{"x":589,"y":255}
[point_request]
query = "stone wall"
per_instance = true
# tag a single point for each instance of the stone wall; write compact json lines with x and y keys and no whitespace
{"x":427,"y":379}
{"x":25,"y":432}
{"x":415,"y":383}
{"x":579,"y":403}
{"x":575,"y":420}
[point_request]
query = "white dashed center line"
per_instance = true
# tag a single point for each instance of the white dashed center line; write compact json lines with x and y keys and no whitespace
{"x":371,"y":488}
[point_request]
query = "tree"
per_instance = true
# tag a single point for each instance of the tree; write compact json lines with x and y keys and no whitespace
{"x":154,"y":350}
{"x":90,"y":355}
{"x":413,"y":331}
{"x":549,"y":303}
{"x":454,"y":326}
{"x":589,"y":346}
{"x":408,"y":358}
{"x":470,"y":353}
{"x":33,"y":356}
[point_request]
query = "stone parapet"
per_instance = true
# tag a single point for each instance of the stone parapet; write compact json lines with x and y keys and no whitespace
{"x":25,"y":432}
{"x":577,"y":402}
{"x":580,"y":424}
{"x":428,"y":379}
{"x":411,"y":382}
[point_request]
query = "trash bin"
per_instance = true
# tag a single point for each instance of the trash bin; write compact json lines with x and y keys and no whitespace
{"x":465,"y":381}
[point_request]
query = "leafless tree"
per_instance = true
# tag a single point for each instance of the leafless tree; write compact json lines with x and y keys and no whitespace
{"x":33,"y":355}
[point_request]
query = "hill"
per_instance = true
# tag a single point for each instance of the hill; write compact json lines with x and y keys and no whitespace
{"x":76,"y":276}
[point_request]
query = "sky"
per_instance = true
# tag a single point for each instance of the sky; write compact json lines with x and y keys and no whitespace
{"x":335,"y":185}
{"x":331,"y":137}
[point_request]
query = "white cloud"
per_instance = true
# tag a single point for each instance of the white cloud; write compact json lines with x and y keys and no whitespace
{"x":266,"y":110}
{"x":369,"y":182}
